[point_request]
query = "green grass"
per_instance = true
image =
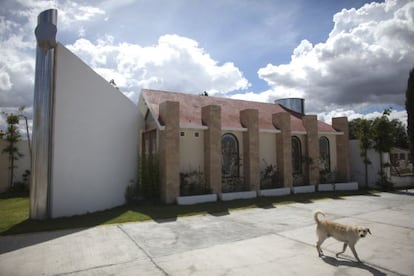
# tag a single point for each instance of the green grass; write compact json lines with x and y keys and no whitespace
{"x":14,"y":211}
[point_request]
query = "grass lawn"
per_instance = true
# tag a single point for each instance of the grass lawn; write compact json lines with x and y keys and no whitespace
{"x":14,"y":211}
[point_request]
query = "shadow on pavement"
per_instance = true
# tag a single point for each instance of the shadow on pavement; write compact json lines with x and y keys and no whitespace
{"x":12,"y":243}
{"x":336,"y":262}
{"x":404,"y":192}
{"x":30,"y":232}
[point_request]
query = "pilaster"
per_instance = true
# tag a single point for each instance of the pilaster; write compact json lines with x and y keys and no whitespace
{"x":249,"y":118}
{"x":342,"y":148}
{"x":170,"y":151}
{"x":211,"y":117}
{"x":310,"y":123}
{"x":284,"y":147}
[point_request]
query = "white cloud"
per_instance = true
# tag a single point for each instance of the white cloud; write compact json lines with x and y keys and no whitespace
{"x":71,"y":13}
{"x":175,"y":63}
{"x":366,"y":59}
{"x":5,"y":83}
{"x":17,"y":45}
{"x":255,"y":97}
{"x":400,"y":115}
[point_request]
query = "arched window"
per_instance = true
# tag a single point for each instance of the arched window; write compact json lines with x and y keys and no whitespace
{"x":230,"y":155}
{"x":296,"y":155}
{"x":324,"y":154}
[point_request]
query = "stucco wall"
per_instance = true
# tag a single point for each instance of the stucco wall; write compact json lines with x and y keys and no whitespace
{"x":191,"y":150}
{"x":22,"y":164}
{"x":358,"y":167}
{"x":267,"y":150}
{"x":95,"y":140}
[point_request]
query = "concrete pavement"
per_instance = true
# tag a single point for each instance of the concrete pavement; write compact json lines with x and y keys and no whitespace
{"x":259,"y":241}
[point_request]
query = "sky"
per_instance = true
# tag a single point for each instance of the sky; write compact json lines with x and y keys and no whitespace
{"x":344,"y":57}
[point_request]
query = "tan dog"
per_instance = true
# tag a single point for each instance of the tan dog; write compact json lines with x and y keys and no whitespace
{"x":345,"y":233}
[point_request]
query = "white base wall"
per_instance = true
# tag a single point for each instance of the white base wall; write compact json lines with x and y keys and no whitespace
{"x":94,"y":140}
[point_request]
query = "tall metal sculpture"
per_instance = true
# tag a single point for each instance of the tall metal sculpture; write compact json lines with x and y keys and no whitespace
{"x":43,"y":115}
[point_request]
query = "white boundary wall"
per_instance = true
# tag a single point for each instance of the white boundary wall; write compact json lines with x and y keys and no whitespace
{"x":94,"y":140}
{"x":358,"y":167}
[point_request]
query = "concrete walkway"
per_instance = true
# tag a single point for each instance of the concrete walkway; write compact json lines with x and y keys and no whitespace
{"x":271,"y":241}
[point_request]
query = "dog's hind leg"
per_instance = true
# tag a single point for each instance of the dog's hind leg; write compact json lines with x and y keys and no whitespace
{"x":343,"y":249}
{"x":318,"y":246}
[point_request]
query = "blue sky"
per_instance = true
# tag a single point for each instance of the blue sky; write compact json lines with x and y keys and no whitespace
{"x":346,"y":58}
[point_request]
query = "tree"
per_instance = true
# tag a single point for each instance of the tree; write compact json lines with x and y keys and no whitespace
{"x":353,"y":128}
{"x":409,"y":106}
{"x":21,"y":115}
{"x":363,"y":134}
{"x":12,"y":136}
{"x":399,"y":134}
{"x":382,"y":135}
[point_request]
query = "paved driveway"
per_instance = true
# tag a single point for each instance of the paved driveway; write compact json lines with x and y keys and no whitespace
{"x":260,"y":241}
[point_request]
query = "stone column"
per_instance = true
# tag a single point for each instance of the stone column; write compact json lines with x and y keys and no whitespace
{"x":170,"y":151}
{"x":310,"y":123}
{"x":284,"y":147}
{"x":43,"y":115}
{"x":342,"y":148}
{"x":211,"y":117}
{"x":249,"y":118}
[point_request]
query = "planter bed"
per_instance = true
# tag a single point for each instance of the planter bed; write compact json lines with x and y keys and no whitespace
{"x":350,"y":186}
{"x":274,"y":192}
{"x":304,"y":189}
{"x":326,"y":187}
{"x":195,"y":199}
{"x":237,"y":195}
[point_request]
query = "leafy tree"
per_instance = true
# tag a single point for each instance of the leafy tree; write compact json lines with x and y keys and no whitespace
{"x":382,"y":134}
{"x":363,"y":134}
{"x":399,"y":134}
{"x":21,"y":115}
{"x":353,"y":128}
{"x":409,"y":106}
{"x":12,"y":136}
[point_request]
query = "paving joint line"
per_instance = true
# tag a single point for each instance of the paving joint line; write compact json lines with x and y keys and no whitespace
{"x":119,"y":226}
{"x":94,"y":267}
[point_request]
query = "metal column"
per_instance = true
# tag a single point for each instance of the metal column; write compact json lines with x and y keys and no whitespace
{"x":43,"y":115}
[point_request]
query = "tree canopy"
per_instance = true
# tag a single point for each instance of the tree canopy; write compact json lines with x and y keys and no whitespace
{"x":397,"y":134}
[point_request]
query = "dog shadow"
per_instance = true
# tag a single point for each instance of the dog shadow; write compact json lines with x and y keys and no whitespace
{"x":344,"y":262}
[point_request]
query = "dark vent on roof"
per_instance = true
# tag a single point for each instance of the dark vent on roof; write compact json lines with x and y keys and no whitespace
{"x":295,"y":104}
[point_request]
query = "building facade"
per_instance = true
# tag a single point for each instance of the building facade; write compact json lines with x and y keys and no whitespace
{"x":216,"y":145}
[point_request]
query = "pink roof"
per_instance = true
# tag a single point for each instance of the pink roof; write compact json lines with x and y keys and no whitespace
{"x":190,"y":110}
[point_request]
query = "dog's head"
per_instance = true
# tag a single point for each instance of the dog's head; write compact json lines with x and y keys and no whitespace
{"x":363,"y":231}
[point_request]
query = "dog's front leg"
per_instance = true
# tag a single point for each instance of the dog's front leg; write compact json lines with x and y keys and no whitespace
{"x":352,"y":246}
{"x":320,"y":252}
{"x":343,"y":250}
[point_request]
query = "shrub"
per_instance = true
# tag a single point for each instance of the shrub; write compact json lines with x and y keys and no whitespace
{"x":149,"y":177}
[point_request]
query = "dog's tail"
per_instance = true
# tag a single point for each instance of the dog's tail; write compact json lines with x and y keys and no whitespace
{"x":315,"y":215}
